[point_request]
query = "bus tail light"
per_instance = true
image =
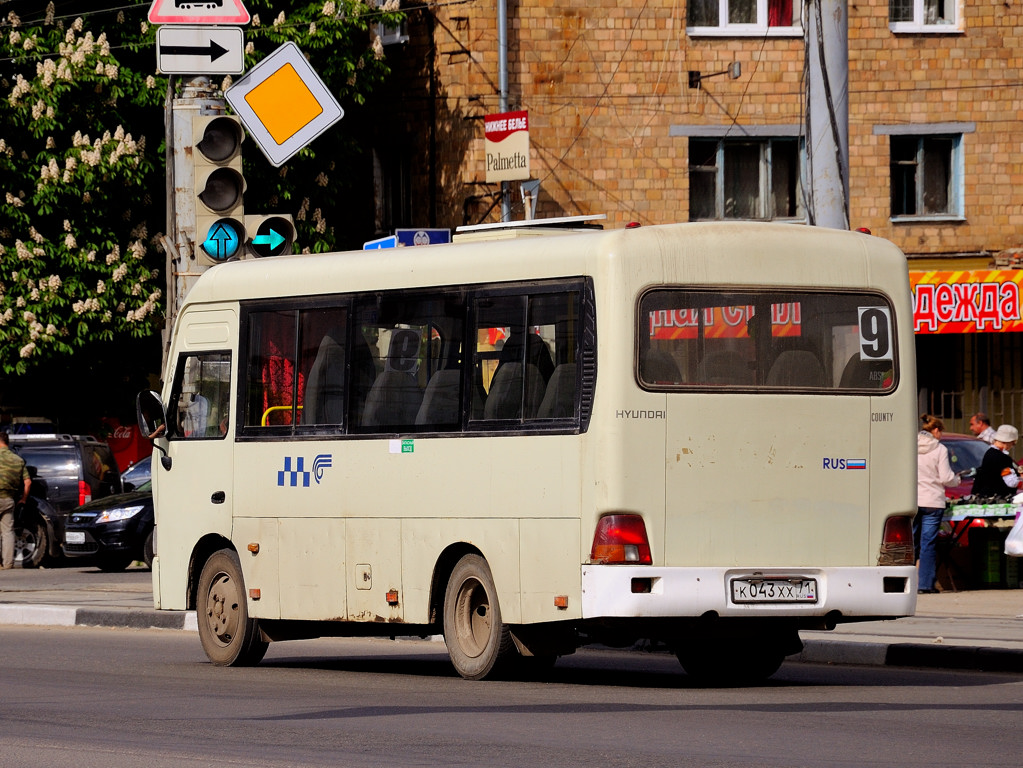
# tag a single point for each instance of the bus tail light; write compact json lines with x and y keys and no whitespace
{"x":621,"y":539}
{"x":84,"y":493}
{"x":897,"y":545}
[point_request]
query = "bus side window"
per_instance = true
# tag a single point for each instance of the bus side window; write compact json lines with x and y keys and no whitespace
{"x":395,"y":397}
{"x":200,"y":396}
{"x":520,"y":342}
{"x":270,"y":396}
{"x":324,"y":399}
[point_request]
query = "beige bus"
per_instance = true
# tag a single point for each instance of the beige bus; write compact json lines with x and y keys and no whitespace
{"x":696,"y":434}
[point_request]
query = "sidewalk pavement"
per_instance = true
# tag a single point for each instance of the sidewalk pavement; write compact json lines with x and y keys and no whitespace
{"x":974,"y":630}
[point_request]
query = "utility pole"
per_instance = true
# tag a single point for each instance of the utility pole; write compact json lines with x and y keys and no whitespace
{"x":827,"y":113}
{"x":197,"y":97}
{"x":502,"y":87}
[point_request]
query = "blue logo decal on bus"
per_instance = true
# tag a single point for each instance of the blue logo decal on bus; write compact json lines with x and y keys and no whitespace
{"x":295,"y":474}
{"x":845,"y":463}
{"x":320,"y":463}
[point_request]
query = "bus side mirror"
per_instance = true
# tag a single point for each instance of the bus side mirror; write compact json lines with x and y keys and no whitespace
{"x":152,"y":419}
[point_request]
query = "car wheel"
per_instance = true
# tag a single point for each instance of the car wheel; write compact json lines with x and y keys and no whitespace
{"x":30,"y":542}
{"x":479,"y":644}
{"x":149,"y":549}
{"x":113,"y":563}
{"x":228,"y":636}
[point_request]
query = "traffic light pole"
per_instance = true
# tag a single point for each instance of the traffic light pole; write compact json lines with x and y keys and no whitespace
{"x":195,"y":97}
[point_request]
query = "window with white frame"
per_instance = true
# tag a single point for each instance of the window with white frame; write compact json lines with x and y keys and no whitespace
{"x":743,"y":17}
{"x":745,"y":179}
{"x":923,"y":15}
{"x":925,"y":176}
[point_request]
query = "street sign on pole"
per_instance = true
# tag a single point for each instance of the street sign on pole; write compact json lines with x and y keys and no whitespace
{"x":422,"y":236}
{"x":383,"y":242}
{"x":283,"y":103}
{"x":184,"y":50}
{"x":198,"y":12}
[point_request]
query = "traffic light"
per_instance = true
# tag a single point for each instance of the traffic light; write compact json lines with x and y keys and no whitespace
{"x":219,"y":186}
{"x":270,"y":234}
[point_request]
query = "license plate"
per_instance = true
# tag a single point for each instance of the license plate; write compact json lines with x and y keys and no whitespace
{"x":74,"y":537}
{"x":774,"y":590}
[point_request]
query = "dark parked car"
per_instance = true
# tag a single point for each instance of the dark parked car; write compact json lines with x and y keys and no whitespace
{"x":965,"y":452}
{"x":66,"y":471}
{"x":137,"y":473}
{"x":115,"y":531}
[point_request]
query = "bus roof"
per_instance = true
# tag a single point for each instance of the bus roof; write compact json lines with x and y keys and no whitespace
{"x":703,"y":253}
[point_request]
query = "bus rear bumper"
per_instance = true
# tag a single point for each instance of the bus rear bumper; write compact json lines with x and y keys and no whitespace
{"x":846,"y":593}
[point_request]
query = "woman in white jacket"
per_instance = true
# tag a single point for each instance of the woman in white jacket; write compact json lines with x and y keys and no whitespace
{"x":934,"y":473}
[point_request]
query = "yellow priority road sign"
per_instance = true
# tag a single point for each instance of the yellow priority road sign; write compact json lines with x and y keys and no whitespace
{"x":283,"y":103}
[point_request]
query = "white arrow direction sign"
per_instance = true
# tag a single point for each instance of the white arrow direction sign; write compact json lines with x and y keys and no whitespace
{"x":200,"y":50}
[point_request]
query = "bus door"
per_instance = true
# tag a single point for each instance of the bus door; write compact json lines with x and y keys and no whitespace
{"x":196,"y":490}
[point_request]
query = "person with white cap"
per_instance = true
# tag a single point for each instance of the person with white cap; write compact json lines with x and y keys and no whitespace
{"x":998,"y":475}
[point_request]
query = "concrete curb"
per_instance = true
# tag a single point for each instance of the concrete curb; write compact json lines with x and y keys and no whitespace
{"x":973,"y":658}
{"x":64,"y":616}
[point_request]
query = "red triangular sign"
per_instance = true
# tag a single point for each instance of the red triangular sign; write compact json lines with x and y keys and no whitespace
{"x":198,"y":12}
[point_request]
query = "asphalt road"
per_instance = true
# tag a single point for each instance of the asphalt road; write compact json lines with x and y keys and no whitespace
{"x":117,"y":698}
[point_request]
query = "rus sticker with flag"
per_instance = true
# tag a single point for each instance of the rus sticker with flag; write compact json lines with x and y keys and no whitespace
{"x":855,"y":463}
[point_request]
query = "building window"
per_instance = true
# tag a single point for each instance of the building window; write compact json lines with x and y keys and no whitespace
{"x":739,"y":17}
{"x":744,"y":179}
{"x":923,"y":15}
{"x":925,"y":176}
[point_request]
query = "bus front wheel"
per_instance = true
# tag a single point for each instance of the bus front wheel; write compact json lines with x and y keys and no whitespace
{"x":228,"y":636}
{"x":478,"y":642}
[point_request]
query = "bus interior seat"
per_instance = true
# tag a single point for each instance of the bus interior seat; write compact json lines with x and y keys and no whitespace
{"x":537,"y":353}
{"x":559,"y":397}
{"x":441,"y":399}
{"x":796,"y":368}
{"x":724,"y":367}
{"x":395,"y":397}
{"x":863,"y":374}
{"x":506,"y":401}
{"x":324,"y":398}
{"x":658,"y":367}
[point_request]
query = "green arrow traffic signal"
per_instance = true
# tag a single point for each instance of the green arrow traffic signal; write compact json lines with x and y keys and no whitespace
{"x":272,"y":239}
{"x":270,"y":235}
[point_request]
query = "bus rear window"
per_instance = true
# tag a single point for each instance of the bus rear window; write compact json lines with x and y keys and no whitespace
{"x":781,"y":340}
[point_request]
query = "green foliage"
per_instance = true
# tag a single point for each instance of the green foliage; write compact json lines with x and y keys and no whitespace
{"x":78,"y":132}
{"x":82,"y":173}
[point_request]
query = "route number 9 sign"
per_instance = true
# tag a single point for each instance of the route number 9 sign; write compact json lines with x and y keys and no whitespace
{"x":875,"y":333}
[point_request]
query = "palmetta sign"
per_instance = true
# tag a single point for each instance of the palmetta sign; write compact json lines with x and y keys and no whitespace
{"x":506,"y":145}
{"x":198,"y":12}
{"x":283,"y":104}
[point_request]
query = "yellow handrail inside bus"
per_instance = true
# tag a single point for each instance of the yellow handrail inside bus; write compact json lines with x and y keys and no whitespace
{"x":271,"y":409}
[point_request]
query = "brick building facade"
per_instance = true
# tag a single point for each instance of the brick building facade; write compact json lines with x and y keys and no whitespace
{"x":617,"y":126}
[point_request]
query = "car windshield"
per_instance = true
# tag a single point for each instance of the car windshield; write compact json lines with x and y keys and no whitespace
{"x":146,"y":486}
{"x":965,"y":454}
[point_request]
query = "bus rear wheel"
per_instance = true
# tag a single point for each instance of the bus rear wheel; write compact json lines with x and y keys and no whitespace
{"x":479,"y":643}
{"x":228,"y":636}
